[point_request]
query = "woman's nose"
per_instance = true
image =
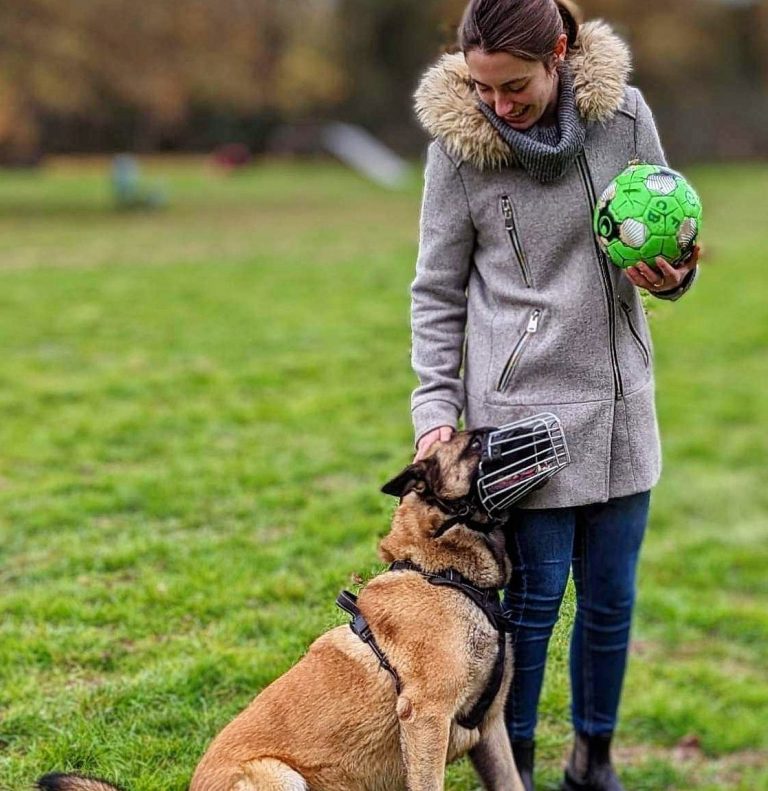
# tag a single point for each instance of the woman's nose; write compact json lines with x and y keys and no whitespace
{"x":502,"y":105}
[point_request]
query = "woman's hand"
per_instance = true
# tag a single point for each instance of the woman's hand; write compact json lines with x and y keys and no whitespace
{"x":666,"y":277}
{"x":441,"y":433}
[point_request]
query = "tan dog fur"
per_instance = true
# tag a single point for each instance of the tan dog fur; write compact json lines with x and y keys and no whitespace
{"x":333,"y":722}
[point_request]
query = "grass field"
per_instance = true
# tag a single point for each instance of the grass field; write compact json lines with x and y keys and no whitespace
{"x":198,"y":407}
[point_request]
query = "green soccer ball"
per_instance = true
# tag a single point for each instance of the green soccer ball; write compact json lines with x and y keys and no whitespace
{"x":645,"y":212}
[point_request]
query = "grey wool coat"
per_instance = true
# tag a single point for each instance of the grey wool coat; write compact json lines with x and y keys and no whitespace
{"x":515,"y":310}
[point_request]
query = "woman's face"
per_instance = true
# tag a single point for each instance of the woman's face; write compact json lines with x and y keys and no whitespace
{"x":520,"y":91}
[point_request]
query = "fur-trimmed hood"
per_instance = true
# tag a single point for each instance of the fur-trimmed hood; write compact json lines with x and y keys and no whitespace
{"x":446,"y":103}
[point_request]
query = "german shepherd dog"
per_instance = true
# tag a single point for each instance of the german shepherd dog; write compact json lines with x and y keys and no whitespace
{"x":337,"y":720}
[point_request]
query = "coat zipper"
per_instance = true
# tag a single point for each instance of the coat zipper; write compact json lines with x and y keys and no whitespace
{"x":635,"y":333}
{"x":514,"y":358}
{"x":586,"y":178}
{"x":509,"y":225}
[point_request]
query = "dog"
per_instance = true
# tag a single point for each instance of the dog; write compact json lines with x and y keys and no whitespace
{"x":419,"y":681}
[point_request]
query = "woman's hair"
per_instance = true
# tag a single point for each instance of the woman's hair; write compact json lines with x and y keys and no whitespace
{"x":528,"y":29}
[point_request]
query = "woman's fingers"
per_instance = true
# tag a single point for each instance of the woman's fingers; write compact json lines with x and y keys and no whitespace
{"x":638,"y":278}
{"x":442,"y":434}
{"x":694,"y":257}
{"x":672,"y":276}
{"x":655,"y":278}
{"x":446,"y":432}
{"x":425,"y":443}
{"x":664,"y":277}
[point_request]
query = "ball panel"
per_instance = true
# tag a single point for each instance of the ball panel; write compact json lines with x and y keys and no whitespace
{"x":662,"y":184}
{"x":618,"y":255}
{"x":672,"y":223}
{"x":608,"y":195}
{"x":633,"y":233}
{"x":652,"y":248}
{"x":670,"y":249}
{"x":663,"y":206}
{"x":621,"y":208}
{"x":687,"y":232}
{"x":655,"y":221}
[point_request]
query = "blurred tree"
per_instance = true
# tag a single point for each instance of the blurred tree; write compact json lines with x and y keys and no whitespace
{"x":385,"y":45}
{"x":152,"y":64}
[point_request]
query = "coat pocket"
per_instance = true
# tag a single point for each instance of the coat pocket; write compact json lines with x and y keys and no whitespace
{"x":510,"y":227}
{"x":635,"y":334}
{"x":517,"y":351}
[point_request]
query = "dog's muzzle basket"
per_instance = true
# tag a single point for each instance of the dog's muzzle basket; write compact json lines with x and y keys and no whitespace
{"x":518,"y":458}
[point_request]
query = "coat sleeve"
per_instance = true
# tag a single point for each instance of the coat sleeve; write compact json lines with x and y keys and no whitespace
{"x":438,"y":295}
{"x":649,"y":149}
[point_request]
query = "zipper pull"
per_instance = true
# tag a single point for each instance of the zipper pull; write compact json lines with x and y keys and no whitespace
{"x":533,"y":322}
{"x":506,"y":210}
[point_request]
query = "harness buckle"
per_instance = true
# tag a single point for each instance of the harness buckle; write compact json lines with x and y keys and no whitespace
{"x":465,"y":510}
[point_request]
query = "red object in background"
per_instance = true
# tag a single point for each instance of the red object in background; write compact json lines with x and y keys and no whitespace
{"x":232,"y":156}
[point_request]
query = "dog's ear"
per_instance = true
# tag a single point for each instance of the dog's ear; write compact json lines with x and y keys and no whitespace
{"x":412,"y":478}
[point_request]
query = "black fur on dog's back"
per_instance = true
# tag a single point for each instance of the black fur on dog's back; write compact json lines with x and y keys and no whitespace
{"x":69,"y":782}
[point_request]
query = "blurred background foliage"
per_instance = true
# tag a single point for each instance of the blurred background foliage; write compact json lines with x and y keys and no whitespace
{"x":186,"y":75}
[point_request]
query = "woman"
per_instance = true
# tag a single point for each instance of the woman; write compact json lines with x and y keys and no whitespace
{"x":515,"y":311}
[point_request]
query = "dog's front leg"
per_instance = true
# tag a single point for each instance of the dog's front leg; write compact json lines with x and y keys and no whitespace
{"x":493,"y":760}
{"x":424,"y":733}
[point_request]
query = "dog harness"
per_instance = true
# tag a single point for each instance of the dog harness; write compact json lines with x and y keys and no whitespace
{"x":487,"y":599}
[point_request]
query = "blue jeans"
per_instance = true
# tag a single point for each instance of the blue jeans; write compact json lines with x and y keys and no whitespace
{"x":602,"y":543}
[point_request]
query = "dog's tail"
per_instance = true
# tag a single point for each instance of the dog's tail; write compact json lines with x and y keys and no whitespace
{"x":62,"y":782}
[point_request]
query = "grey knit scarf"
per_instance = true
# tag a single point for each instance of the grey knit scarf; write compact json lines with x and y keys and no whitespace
{"x":546,"y":152}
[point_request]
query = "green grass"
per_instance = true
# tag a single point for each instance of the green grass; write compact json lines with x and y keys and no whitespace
{"x":199,"y":406}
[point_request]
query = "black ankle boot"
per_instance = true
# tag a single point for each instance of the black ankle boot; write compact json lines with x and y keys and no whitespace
{"x":523,"y":750}
{"x":589,"y":767}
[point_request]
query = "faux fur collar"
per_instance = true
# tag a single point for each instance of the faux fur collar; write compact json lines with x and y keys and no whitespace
{"x":446,"y":103}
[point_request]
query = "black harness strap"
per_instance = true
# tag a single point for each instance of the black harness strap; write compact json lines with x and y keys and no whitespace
{"x":480,"y":709}
{"x":459,"y":512}
{"x":348,"y":602}
{"x":487,"y":599}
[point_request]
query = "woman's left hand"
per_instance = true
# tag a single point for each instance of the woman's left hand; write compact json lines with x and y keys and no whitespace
{"x":665,"y":277}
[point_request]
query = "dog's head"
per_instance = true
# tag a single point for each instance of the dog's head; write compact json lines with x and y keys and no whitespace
{"x":448,"y":470}
{"x":425,"y":528}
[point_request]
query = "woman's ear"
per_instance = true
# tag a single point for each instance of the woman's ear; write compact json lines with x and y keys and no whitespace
{"x":412,"y":478}
{"x":561,"y":48}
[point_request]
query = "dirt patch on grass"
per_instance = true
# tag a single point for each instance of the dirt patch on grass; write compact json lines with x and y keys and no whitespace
{"x":688,"y":758}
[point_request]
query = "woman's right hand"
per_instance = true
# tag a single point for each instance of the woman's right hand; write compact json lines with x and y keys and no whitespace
{"x":441,"y":433}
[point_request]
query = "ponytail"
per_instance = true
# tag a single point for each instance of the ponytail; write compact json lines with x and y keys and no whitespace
{"x":571,"y":15}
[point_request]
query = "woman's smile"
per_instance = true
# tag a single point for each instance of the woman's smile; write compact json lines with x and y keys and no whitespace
{"x":517,"y":115}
